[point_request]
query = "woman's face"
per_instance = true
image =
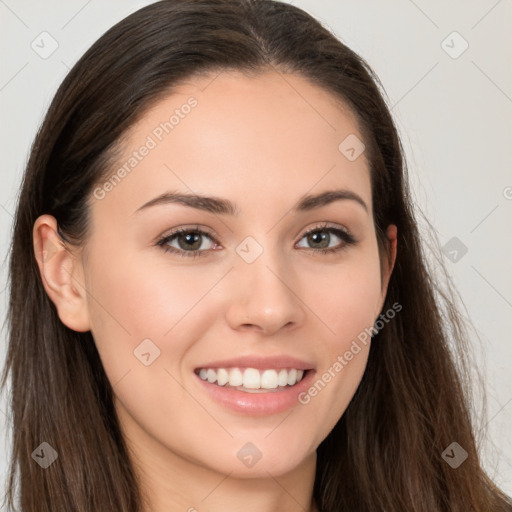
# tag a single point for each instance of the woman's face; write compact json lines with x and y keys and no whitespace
{"x":245,"y":286}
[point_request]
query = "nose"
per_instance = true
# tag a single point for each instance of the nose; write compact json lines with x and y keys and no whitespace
{"x":264,"y":296}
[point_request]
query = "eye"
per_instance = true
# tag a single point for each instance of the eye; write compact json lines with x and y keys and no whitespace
{"x":189,"y":240}
{"x":322,"y":236}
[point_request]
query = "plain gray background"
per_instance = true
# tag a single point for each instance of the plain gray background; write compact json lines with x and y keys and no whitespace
{"x":453,"y":107}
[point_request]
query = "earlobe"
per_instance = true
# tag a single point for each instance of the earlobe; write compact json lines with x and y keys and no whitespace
{"x":61,"y":274}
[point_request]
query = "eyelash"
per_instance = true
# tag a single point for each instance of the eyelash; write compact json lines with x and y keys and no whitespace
{"x":347,"y":238}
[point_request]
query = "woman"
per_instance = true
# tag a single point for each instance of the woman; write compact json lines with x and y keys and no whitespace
{"x":178,"y":341}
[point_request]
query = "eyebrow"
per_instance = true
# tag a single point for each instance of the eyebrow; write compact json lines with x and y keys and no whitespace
{"x":221,"y":206}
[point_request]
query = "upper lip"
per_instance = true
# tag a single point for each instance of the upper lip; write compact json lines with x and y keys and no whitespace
{"x":259,"y":362}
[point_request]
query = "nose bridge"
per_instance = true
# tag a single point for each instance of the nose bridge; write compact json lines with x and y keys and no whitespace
{"x":263,"y":294}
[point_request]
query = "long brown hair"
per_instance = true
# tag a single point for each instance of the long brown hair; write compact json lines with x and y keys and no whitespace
{"x":385,"y":452}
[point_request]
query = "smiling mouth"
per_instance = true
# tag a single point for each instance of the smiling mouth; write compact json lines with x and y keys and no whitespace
{"x":252,"y":380}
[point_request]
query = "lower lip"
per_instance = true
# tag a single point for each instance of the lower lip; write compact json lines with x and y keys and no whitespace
{"x":258,"y":404}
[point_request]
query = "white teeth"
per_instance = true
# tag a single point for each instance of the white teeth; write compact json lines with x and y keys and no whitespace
{"x":282,"y":379}
{"x":235,"y":377}
{"x":269,"y":379}
{"x":292,"y":376}
{"x":222,"y":376}
{"x":252,"y":378}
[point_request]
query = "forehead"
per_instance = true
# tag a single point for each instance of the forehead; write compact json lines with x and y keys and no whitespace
{"x":243,"y":138}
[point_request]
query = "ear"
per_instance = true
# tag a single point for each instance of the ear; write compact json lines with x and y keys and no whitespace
{"x":61,"y":273}
{"x":389,"y":262}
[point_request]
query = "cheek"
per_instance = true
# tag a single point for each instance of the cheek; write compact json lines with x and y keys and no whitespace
{"x":148,"y":313}
{"x":145,"y":299}
{"x":347,"y":300}
{"x":137,"y":300}
{"x":349,"y":309}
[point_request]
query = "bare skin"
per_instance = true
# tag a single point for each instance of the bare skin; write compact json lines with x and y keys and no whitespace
{"x":261,"y":143}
